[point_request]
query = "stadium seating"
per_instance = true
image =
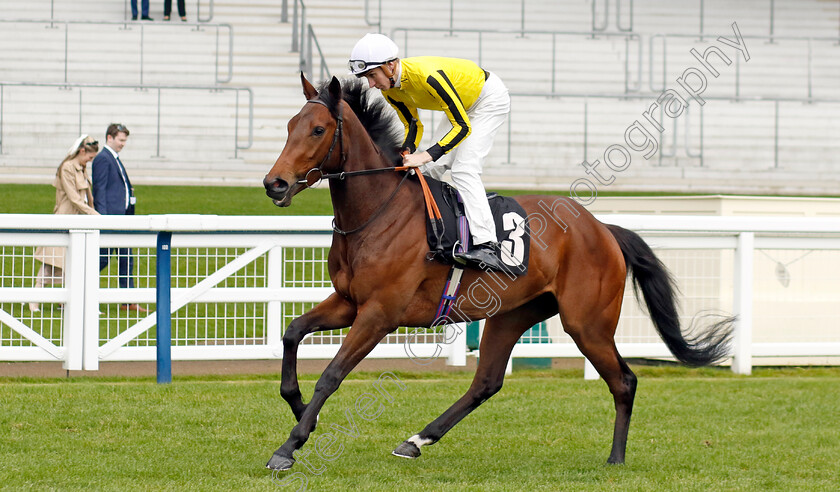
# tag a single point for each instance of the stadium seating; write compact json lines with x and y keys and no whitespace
{"x":749,"y":142}
{"x":760,"y":133}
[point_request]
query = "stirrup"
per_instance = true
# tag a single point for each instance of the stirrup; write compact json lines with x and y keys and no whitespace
{"x":483,"y":254}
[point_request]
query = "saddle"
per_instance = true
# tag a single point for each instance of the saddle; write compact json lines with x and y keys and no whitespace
{"x":450,"y":234}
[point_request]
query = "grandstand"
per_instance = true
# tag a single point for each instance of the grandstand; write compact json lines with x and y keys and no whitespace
{"x":207,"y":101}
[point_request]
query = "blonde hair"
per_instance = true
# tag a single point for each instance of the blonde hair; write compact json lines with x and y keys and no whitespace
{"x":84,"y":142}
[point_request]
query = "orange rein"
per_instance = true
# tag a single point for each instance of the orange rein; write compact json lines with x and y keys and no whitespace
{"x":431,"y":206}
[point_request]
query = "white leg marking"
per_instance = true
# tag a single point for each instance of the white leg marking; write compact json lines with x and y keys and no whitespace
{"x":418,"y":441}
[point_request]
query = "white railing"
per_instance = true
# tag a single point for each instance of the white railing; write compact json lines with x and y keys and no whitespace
{"x":225,"y":305}
{"x":238,"y":281}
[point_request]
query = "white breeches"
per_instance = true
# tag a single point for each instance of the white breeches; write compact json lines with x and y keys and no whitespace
{"x":465,"y":161}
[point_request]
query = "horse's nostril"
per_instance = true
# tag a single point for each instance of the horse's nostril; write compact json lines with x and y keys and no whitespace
{"x":275,"y":185}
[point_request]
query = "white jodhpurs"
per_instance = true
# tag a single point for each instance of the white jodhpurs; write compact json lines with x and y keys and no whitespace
{"x":465,"y":162}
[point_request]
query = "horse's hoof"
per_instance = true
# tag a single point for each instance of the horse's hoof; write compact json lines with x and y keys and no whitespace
{"x":407,"y":450}
{"x":281,"y":463}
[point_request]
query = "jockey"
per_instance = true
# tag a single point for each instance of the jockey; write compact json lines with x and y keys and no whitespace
{"x":475,"y":102}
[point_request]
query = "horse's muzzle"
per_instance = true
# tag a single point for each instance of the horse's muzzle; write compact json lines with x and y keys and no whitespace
{"x":278,"y":190}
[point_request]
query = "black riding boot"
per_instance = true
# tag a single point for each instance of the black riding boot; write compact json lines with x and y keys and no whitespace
{"x":484,"y":256}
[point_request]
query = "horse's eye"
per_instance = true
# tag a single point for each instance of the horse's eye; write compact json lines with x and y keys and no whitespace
{"x":318,"y":131}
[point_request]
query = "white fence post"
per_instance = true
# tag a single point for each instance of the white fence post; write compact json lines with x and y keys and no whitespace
{"x":90,"y":338}
{"x":274,"y":308}
{"x":458,"y":347}
{"x":589,"y":371}
{"x":74,"y":308}
{"x":743,"y":303}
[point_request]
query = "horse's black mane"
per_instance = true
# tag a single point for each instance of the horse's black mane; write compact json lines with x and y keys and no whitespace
{"x":376,"y":115}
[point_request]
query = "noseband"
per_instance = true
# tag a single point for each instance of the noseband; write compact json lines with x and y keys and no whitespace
{"x":337,"y":137}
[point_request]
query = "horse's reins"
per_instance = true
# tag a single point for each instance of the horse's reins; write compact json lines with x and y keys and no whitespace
{"x":431,"y":206}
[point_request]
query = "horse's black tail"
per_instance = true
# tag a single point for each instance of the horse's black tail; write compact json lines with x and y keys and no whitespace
{"x":659,"y":292}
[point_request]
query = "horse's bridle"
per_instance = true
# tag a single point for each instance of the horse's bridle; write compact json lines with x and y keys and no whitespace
{"x":337,"y":137}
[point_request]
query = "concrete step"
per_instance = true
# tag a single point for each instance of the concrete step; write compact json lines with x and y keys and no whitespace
{"x":83,"y":10}
{"x":790,"y":17}
{"x":500,"y":14}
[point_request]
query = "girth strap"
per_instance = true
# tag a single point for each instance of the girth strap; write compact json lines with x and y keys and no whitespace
{"x":450,"y":293}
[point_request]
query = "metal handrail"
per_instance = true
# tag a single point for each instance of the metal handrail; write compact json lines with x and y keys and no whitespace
{"x":303,"y":38}
{"x":306,"y":56}
{"x":687,"y":139}
{"x":378,"y":23}
{"x":158,"y":88}
{"x":284,"y":11}
{"x":128,"y":26}
{"x":654,"y":95}
{"x":618,"y":26}
{"x":627,"y":36}
{"x":595,"y":27}
{"x":298,"y":26}
{"x":772,"y":26}
{"x":452,"y":28}
{"x":700,"y":36}
{"x":198,"y":11}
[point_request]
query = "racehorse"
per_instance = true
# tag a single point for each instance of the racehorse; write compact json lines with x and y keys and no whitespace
{"x":383,"y":279}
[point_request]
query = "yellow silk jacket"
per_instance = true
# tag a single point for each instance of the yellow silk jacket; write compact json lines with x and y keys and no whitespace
{"x":450,"y":85}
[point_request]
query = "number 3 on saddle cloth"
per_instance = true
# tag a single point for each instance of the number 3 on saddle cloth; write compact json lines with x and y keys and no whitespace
{"x":452,"y":235}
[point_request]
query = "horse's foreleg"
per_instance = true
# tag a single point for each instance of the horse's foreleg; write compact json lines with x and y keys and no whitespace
{"x":367,"y":330}
{"x":333,"y":313}
{"x":500,"y":335}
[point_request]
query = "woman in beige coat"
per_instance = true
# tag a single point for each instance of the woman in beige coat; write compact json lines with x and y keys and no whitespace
{"x":72,"y":196}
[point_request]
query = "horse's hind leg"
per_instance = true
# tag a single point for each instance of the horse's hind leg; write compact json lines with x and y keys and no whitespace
{"x":333,"y":313}
{"x":595,"y":341}
{"x":500,"y":334}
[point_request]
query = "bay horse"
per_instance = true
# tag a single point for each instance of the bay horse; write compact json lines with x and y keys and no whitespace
{"x":382,"y":278}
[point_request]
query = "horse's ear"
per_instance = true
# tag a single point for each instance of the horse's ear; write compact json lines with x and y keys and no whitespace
{"x":335,"y":89}
{"x":308,"y":89}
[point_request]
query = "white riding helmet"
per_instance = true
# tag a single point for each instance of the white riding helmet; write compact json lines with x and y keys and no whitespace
{"x":371,"y":51}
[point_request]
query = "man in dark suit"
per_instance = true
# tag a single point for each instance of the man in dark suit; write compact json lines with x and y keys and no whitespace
{"x":114,"y":195}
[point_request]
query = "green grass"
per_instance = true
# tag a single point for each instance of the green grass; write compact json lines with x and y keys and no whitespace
{"x":213,"y":200}
{"x":546,"y":430}
{"x":694,"y":430}
{"x":221,"y":200}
